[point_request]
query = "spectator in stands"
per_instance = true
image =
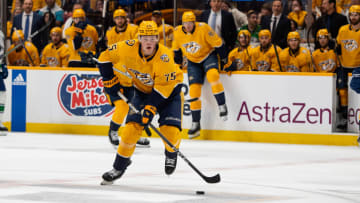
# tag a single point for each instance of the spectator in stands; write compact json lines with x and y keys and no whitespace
{"x":332,"y":21}
{"x":239,"y":17}
{"x":253,"y":27}
{"x":29,"y":22}
{"x":298,"y":15}
{"x":295,"y":58}
{"x":293,"y":26}
{"x":265,"y":11}
{"x":55,"y":9}
{"x":48,"y":17}
{"x":99,"y":6}
{"x":278,"y":24}
{"x":222,"y":22}
{"x":82,"y":39}
{"x":316,"y":8}
{"x":165,"y":29}
{"x":23,"y":56}
{"x":55,"y":54}
{"x":265,"y":57}
{"x":69,"y":21}
{"x":10,"y":17}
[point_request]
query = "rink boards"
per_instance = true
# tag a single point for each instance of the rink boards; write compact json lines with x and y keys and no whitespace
{"x":263,"y":107}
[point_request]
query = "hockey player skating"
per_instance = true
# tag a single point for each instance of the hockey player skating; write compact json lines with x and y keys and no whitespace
{"x":348,"y":41}
{"x":295,"y":58}
{"x":157,"y":82}
{"x":324,"y":58}
{"x":239,"y":58}
{"x":200,"y":44}
{"x":3,"y":76}
{"x":263,"y":57}
{"x":56,"y":53}
{"x":122,"y":30}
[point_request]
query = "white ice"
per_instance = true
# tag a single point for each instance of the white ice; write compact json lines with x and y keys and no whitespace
{"x":40,"y":168}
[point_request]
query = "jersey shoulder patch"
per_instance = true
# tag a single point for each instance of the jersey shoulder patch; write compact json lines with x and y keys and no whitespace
{"x":130,"y":42}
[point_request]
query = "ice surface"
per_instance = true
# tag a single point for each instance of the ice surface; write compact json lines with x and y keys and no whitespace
{"x":40,"y":168}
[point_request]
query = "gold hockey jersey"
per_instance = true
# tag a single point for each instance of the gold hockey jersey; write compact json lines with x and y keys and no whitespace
{"x":156,"y":73}
{"x":90,"y":38}
{"x":300,"y":62}
{"x":20,"y":58}
{"x":55,"y":57}
{"x":113,"y":36}
{"x":198,"y":45}
{"x":265,"y":60}
{"x":349,"y":41}
{"x":325,"y":60}
{"x":241,"y":59}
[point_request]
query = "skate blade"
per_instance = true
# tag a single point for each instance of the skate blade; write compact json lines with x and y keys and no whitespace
{"x":194,"y":135}
{"x":105,"y":182}
{"x":142,"y":146}
{"x":224,"y":118}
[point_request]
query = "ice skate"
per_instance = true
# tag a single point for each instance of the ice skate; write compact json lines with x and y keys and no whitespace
{"x":112,"y":175}
{"x":114,"y":138}
{"x":223,"y":112}
{"x":143,"y":142}
{"x":3,"y":130}
{"x":194,"y":131}
{"x":170,"y":164}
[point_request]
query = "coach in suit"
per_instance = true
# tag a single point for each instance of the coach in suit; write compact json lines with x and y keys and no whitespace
{"x":278,"y":24}
{"x":222,"y":23}
{"x":29,"y":22}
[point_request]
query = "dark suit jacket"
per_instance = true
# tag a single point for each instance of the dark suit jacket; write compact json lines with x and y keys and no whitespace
{"x":228,"y":28}
{"x":36,"y":24}
{"x":283,"y":28}
{"x":336,"y":20}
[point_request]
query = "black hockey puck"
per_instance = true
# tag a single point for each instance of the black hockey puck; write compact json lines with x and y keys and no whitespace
{"x":200,"y":192}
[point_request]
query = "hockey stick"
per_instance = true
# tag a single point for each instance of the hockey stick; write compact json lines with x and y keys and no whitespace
{"x":163,"y":26}
{"x":212,"y":179}
{"x":23,"y":45}
{"x":277,"y":57}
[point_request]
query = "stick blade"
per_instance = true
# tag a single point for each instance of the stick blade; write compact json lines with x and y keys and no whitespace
{"x":214,"y":179}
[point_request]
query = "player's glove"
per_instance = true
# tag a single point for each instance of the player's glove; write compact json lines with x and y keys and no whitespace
{"x":87,"y":57}
{"x":4,"y":71}
{"x":147,"y":114}
{"x":81,"y":25}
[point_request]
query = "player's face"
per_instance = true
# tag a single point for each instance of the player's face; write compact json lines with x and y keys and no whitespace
{"x":189,"y":26}
{"x":243,"y":39}
{"x":55,"y":37}
{"x":77,"y":20}
{"x":323,"y":41}
{"x":120,"y":21}
{"x":294,"y":43}
{"x":148,"y":44}
{"x":354,"y":18}
{"x":264,"y":41}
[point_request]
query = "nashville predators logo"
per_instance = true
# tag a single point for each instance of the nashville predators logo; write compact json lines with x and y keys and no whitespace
{"x":262,"y":65}
{"x":165,"y":58}
{"x":327,"y":65}
{"x":292,"y":68}
{"x":87,"y":42}
{"x":144,"y":78}
{"x":239,"y":64}
{"x":130,"y":42}
{"x":192,"y":47}
{"x":349,"y":44}
{"x":52,"y":61}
